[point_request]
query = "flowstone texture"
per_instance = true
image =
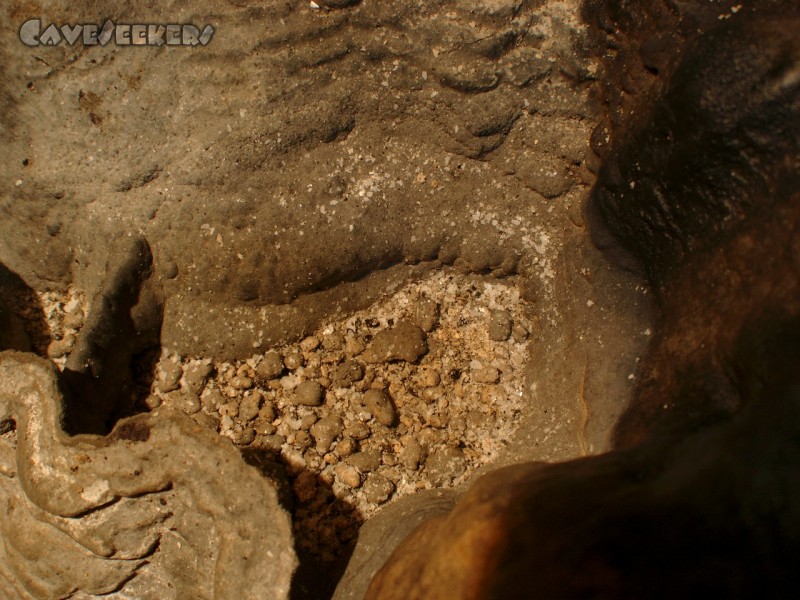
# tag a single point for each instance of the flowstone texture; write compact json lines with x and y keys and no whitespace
{"x":159,"y":508}
{"x":225,"y":203}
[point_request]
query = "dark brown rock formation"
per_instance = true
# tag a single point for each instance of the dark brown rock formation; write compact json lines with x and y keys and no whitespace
{"x":700,"y":190}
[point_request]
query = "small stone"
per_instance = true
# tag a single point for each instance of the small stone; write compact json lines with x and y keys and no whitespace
{"x":499,"y":326}
{"x":412,"y":454}
{"x":309,"y":344}
{"x":152,"y":402}
{"x":428,"y":377}
{"x":426,"y":314}
{"x":486,"y":375}
{"x":73,"y":317}
{"x":263,"y":427}
{"x":302,"y":440}
{"x":62,"y":347}
{"x":346,"y":447}
{"x":267,"y":412}
{"x":405,"y":341}
{"x":250,"y":406}
{"x":308,"y":393}
{"x":169,"y":376}
{"x":365,"y":461}
{"x":325,"y":431}
{"x":185,"y":401}
{"x":244,"y":436}
{"x":241,"y":382}
{"x":444,"y":465}
{"x":377,"y":488}
{"x":519,"y":333}
{"x":306,"y":421}
{"x":271,"y":366}
{"x":294,"y":360}
{"x":380,"y":405}
{"x":212,"y":400}
{"x":358,"y":430}
{"x":332,"y":342}
{"x":196,"y":374}
{"x":348,"y":475}
{"x":272,"y":442}
{"x":347,"y":373}
{"x":354,"y":345}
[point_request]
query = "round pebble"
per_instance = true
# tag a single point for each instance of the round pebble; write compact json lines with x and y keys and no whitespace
{"x":271,"y":366}
{"x":348,"y":475}
{"x":377,"y":489}
{"x":325,"y":431}
{"x":308,"y":393}
{"x":381,"y":406}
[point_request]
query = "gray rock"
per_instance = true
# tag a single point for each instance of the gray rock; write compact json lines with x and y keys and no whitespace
{"x":306,"y":421}
{"x":379,"y":403}
{"x":366,"y":461}
{"x":244,"y":436}
{"x":382,"y":533}
{"x":354,"y":345}
{"x":310,"y":343}
{"x":412,"y":454}
{"x":170,"y":376}
{"x":377,"y":489}
{"x":332,"y":342}
{"x":294,"y":360}
{"x":405,"y":341}
{"x":308,"y":393}
{"x":346,"y":447}
{"x":241,"y":382}
{"x":184,"y":400}
{"x":272,"y":442}
{"x":426,"y":314}
{"x":325,"y":431}
{"x":499,"y":326}
{"x":347,"y":373}
{"x":358,"y":430}
{"x":212,"y":400}
{"x":196,"y":374}
{"x":445,"y":464}
{"x":267,"y":412}
{"x":271,"y":366}
{"x":250,"y":406}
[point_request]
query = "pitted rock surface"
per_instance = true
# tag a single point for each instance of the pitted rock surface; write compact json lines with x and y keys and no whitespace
{"x":149,"y":511}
